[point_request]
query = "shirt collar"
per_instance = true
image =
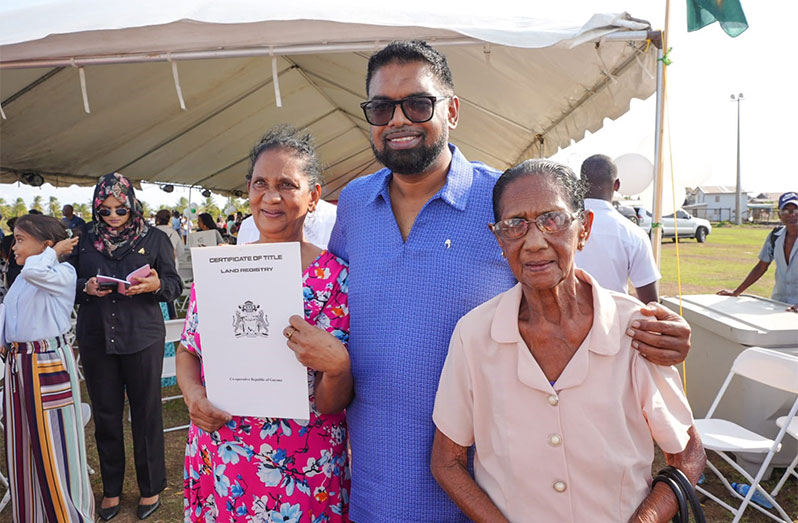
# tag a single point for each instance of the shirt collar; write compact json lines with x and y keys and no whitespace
{"x":596,"y":203}
{"x":454,"y":192}
{"x":604,"y":337}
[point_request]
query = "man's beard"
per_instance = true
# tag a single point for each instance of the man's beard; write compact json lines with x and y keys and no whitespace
{"x":410,"y":161}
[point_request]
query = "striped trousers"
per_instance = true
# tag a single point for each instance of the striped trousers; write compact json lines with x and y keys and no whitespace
{"x":45,"y":443}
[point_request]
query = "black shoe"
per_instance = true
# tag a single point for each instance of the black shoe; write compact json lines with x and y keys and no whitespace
{"x":145,"y":511}
{"x":107,"y":514}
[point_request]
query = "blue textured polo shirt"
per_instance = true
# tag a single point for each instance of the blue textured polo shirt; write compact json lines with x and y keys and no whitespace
{"x":405,"y":298}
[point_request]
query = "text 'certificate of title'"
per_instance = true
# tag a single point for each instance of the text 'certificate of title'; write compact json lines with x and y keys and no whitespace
{"x":245,"y":295}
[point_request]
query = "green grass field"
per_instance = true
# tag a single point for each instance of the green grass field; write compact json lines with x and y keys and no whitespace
{"x":722,"y":262}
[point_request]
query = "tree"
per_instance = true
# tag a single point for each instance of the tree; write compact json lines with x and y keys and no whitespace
{"x":82,"y":210}
{"x":53,"y":207}
{"x":19,"y":208}
{"x":182,"y":203}
{"x":145,"y":209}
{"x":210,"y":207}
{"x":242,"y":205}
{"x":37,"y":204}
{"x":5,"y":209}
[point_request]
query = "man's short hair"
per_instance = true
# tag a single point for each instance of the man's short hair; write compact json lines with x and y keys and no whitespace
{"x":162,"y":217}
{"x":599,"y":170}
{"x":409,"y":51}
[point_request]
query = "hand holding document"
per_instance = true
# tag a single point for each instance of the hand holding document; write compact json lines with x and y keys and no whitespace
{"x":245,"y":296}
{"x":121,"y":286}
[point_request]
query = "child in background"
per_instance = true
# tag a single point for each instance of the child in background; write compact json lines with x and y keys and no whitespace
{"x":45,"y":445}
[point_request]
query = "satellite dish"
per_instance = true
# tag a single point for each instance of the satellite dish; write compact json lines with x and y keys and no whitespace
{"x":635,"y":172}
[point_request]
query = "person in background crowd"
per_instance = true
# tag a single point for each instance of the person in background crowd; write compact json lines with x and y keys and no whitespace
{"x":618,"y":250}
{"x":781,"y":246}
{"x":289,"y":470}
{"x":45,"y":447}
{"x":421,"y":254}
{"x":231,"y":220}
{"x":176,"y":221}
{"x":162,"y":223}
{"x":121,"y":338}
{"x":12,"y":268}
{"x":206,"y":223}
{"x":553,"y":347}
{"x":70,"y":219}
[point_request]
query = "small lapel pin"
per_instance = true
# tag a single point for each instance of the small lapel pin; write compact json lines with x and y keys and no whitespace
{"x":448,"y":244}
{"x":142,"y":251}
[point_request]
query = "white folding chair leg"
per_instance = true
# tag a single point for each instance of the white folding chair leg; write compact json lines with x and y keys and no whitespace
{"x":792,"y":430}
{"x":787,"y":473}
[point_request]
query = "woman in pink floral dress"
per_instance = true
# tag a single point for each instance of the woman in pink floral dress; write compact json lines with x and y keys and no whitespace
{"x":249,"y":469}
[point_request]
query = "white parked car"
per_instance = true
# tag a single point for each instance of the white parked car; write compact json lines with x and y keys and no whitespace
{"x":643,"y":219}
{"x":689,"y":226}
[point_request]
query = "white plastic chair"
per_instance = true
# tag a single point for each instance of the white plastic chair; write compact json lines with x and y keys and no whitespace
{"x":771,"y":368}
{"x":174,"y":329}
{"x":792,"y":430}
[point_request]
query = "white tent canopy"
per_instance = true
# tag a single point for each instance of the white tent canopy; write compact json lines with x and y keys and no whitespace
{"x":527,"y":86}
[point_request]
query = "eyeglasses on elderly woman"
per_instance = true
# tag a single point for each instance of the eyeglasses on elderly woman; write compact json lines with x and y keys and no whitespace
{"x":550,"y":223}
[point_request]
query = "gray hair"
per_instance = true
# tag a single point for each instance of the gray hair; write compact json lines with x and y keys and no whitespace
{"x":571,"y":188}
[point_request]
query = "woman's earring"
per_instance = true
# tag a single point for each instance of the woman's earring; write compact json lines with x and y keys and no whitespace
{"x":503,"y":256}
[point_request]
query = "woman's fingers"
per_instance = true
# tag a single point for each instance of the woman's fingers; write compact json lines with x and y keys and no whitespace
{"x":207,"y":417}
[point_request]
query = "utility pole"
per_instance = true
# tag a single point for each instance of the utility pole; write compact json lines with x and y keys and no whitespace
{"x":738,"y":219}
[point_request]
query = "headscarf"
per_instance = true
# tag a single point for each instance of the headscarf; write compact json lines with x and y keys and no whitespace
{"x":116,"y":244}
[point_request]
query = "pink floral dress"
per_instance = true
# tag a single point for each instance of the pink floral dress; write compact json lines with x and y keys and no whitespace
{"x":256,"y":470}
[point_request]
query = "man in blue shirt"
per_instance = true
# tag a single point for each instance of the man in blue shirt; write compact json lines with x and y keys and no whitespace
{"x":69,"y":220}
{"x":421,"y":256}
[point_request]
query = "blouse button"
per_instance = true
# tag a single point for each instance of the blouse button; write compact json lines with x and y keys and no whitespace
{"x":559,"y":486}
{"x":112,"y":340}
{"x":113,"y":301}
{"x":555,"y":440}
{"x":553,"y":400}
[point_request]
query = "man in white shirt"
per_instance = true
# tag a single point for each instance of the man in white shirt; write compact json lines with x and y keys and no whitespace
{"x":617,"y":249}
{"x":318,"y":226}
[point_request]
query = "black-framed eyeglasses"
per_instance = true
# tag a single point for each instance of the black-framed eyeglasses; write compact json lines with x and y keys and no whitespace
{"x":417,"y":109}
{"x":550,"y":222}
{"x":120,"y":211}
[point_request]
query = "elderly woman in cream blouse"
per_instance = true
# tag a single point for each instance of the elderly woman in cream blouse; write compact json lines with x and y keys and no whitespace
{"x":543,"y":381}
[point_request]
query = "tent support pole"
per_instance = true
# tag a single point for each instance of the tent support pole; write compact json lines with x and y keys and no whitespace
{"x":662,"y":82}
{"x":656,"y":232}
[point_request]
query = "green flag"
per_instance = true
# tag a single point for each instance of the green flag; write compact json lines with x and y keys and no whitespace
{"x":729,"y":13}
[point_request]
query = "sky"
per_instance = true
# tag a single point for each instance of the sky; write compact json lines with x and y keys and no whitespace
{"x":707,"y":67}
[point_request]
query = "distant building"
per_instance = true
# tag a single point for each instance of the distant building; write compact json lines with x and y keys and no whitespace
{"x":764,"y":207}
{"x":716,"y":203}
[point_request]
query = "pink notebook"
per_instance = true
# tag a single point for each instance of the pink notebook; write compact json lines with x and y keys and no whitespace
{"x":107,"y":282}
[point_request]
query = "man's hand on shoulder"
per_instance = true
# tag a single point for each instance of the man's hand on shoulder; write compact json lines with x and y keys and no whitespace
{"x":664,"y":339}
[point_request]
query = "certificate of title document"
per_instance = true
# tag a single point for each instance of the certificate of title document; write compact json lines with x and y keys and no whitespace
{"x":245,"y":295}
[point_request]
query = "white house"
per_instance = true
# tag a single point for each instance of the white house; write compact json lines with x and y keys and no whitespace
{"x":716,"y":202}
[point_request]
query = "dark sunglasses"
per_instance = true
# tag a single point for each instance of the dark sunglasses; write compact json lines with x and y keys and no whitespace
{"x":120,"y":211}
{"x":417,"y":109}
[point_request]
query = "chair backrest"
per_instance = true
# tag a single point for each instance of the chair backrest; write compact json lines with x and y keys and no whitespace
{"x":773,"y":368}
{"x":174,"y":329}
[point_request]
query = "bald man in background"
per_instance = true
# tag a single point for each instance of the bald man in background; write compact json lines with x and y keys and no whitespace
{"x":617,"y":250}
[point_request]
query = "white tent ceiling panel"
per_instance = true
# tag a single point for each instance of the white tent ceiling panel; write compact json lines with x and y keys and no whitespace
{"x":509,"y":95}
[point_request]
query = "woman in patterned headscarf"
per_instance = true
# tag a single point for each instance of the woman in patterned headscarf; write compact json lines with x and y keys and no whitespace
{"x":121,"y":337}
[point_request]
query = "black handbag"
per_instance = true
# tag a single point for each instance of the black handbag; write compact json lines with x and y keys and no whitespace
{"x":684,"y":492}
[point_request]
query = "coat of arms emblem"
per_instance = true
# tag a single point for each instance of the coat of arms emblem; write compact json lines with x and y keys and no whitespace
{"x":250,"y":321}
